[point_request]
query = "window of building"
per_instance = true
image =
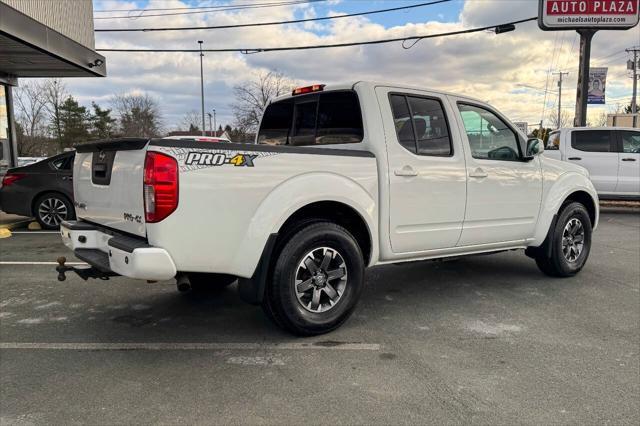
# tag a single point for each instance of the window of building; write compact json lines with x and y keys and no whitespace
{"x":630,"y":141}
{"x":490,"y":138}
{"x":318,"y":119}
{"x":421,"y":125}
{"x":592,"y":141}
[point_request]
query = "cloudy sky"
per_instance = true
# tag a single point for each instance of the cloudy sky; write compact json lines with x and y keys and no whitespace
{"x":510,"y":70}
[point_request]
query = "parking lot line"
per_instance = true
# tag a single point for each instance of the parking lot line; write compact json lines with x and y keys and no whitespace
{"x":326,"y":345}
{"x":10,"y":262}
{"x":35,"y":232}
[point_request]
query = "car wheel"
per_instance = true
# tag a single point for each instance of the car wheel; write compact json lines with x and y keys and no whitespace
{"x":316,"y":281}
{"x":570,"y":243}
{"x":51,"y":209}
{"x":203,"y":283}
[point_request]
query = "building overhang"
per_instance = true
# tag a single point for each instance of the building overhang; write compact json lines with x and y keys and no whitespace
{"x":30,"y":49}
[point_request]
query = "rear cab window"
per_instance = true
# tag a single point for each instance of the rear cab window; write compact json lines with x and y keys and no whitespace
{"x":326,"y":118}
{"x":630,"y":141}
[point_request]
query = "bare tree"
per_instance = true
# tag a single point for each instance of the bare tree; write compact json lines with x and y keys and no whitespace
{"x":138,"y":115}
{"x":31,"y":107}
{"x":566,"y":120}
{"x":55,"y":93}
{"x":601,"y":119}
{"x":31,"y":119}
{"x":192,"y":120}
{"x":251,"y":97}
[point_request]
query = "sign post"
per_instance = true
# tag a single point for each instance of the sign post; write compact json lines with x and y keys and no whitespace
{"x":586,"y":17}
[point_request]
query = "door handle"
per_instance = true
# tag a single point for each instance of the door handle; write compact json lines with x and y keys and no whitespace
{"x":67,"y":177}
{"x":575,"y":158}
{"x":478,"y":173}
{"x":405,"y":171}
{"x":628,"y":159}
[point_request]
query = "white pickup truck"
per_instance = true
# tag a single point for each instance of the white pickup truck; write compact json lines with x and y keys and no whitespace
{"x":610,"y":154}
{"x":340,"y":178}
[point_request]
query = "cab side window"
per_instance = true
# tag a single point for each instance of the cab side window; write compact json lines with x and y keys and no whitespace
{"x":553,"y":143}
{"x":593,"y":141}
{"x":630,"y":141}
{"x":421,"y":125}
{"x":490,"y":138}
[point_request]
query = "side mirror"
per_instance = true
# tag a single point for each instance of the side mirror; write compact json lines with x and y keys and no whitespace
{"x":534,"y":147}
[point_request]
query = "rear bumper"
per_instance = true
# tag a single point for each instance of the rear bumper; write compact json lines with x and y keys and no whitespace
{"x":116,"y":253}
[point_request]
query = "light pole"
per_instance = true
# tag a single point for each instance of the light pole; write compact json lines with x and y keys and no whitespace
{"x":210,"y":128}
{"x":215,"y":128}
{"x":202,"y":86}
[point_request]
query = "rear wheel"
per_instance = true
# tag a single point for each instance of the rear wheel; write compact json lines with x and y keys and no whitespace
{"x":316,"y":281}
{"x":570,"y":243}
{"x":51,"y":209}
{"x":203,"y":283}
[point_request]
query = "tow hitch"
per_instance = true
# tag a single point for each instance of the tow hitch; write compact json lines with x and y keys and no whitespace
{"x":84,"y":273}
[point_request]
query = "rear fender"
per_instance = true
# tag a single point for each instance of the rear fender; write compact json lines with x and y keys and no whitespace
{"x":289,"y":197}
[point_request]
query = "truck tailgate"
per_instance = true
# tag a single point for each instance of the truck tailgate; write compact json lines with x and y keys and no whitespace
{"x":108,"y":184}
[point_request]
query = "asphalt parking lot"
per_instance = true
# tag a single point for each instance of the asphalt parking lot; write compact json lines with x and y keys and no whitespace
{"x":484,"y":340}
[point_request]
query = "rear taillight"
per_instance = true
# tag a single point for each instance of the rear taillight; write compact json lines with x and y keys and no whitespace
{"x":11,"y":178}
{"x":160,"y":186}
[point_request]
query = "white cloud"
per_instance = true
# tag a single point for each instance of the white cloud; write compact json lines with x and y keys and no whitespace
{"x":486,"y":65}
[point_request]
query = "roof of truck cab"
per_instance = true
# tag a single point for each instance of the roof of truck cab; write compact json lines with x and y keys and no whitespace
{"x":598,"y":128}
{"x":400,"y":86}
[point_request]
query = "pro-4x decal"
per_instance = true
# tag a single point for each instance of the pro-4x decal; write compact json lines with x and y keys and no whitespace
{"x":195,"y":159}
{"x":219,"y":159}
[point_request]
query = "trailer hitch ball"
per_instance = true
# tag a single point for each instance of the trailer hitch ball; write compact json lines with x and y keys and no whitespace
{"x":61,"y":268}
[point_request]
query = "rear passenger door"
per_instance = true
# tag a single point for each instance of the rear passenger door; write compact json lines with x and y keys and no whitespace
{"x":629,"y":162}
{"x":595,"y":150}
{"x":427,"y":183}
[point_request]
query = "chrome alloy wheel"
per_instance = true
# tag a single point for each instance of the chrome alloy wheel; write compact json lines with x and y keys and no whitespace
{"x":320,"y":279}
{"x":573,"y":240}
{"x":52,"y":211}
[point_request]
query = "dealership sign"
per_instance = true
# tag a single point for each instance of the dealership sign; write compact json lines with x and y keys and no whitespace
{"x":588,"y":14}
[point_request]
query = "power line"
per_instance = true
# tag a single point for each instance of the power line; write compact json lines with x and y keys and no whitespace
{"x":325,"y":46}
{"x":213,"y":9}
{"x":196,"y":7}
{"x":262,"y":24}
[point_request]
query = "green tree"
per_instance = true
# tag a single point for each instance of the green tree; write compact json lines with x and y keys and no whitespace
{"x":74,"y":123}
{"x":102,"y":124}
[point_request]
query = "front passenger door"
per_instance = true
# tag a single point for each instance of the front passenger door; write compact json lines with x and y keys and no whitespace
{"x":503,"y":191}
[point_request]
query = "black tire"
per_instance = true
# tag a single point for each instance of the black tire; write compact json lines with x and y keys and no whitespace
{"x":205,"y":283}
{"x":559,"y":264}
{"x":51,"y":208}
{"x":344,"y":270}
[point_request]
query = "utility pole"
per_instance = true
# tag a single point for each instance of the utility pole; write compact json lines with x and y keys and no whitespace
{"x":634,"y":68}
{"x":215,"y":127}
{"x":202,"y":87}
{"x":560,"y":74}
{"x":210,"y":128}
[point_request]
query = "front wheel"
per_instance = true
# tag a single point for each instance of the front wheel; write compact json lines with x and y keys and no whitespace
{"x":317,"y":280}
{"x":570,"y":243}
